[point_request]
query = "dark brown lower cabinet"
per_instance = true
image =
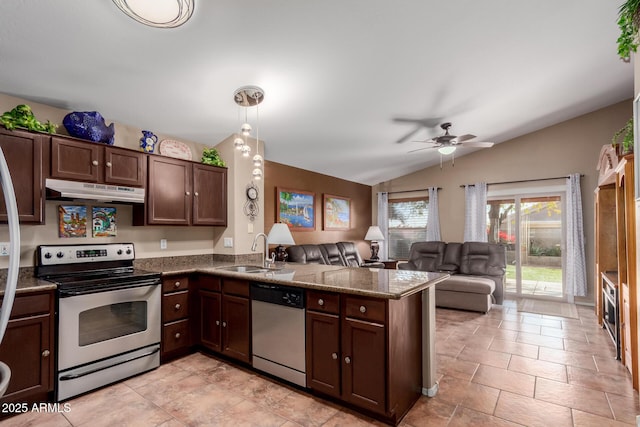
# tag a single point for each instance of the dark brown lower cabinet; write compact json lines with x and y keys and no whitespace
{"x":27,"y":348}
{"x":366,"y":352}
{"x":176,"y":325}
{"x":224,"y":324}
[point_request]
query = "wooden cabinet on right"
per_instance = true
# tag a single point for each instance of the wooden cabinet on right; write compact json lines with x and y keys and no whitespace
{"x":224,"y":324}
{"x":27,"y":348}
{"x":23,"y":152}
{"x":180,"y":192}
{"x":91,"y":162}
{"x":351,"y":351}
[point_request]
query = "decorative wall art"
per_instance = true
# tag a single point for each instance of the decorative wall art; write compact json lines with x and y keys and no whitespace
{"x":72,"y":221}
{"x":104,"y":221}
{"x":337,"y":212}
{"x":296,"y":209}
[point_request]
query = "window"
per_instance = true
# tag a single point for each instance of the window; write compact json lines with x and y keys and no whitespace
{"x":407,"y":224}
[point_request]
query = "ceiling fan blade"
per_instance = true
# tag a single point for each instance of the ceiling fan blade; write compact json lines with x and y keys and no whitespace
{"x":420,"y":149}
{"x":479,"y":144}
{"x":427,"y":141}
{"x":408,"y":135}
{"x":465,"y":137}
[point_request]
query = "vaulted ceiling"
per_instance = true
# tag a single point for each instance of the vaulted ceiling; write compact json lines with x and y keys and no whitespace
{"x":344,"y":81}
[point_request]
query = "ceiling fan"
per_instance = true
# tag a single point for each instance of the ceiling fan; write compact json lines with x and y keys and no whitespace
{"x":447,"y":143}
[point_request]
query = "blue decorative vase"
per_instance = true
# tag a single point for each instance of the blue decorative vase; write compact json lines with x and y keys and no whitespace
{"x":89,"y":125}
{"x":148,"y":141}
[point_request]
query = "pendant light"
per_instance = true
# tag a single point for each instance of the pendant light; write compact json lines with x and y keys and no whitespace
{"x":250,"y":96}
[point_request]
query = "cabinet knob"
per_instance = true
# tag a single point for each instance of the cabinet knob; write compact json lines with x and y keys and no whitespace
{"x":334,"y":356}
{"x":177,"y":284}
{"x":46,"y":353}
{"x":217,"y":323}
{"x":95,"y":163}
{"x":363,"y":309}
{"x":347,"y":360}
{"x":195,"y":194}
{"x":188,"y":193}
{"x":320,"y":302}
{"x":224,"y":324}
{"x":177,"y":307}
{"x":177,"y":335}
{"x":108,"y":164}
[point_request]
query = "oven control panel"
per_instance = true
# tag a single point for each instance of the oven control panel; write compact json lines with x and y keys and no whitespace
{"x":71,"y":254}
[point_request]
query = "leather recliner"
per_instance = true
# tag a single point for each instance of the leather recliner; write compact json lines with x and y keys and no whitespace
{"x":343,"y":253}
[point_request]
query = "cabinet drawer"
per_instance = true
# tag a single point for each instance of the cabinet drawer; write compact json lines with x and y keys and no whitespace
{"x":29,"y":305}
{"x":175,"y":283}
{"x":235,"y":287}
{"x":325,"y":302}
{"x":175,"y":306}
{"x":175,"y":335}
{"x":209,"y":283}
{"x":362,"y":308}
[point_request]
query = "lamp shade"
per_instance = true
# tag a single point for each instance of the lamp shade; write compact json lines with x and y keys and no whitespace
{"x":374,"y":233}
{"x":280,"y":235}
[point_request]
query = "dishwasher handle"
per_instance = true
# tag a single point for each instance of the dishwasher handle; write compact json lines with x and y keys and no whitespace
{"x":278,"y":294}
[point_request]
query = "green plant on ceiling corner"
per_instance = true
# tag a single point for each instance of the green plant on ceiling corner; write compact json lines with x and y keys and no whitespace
{"x":628,"y":22}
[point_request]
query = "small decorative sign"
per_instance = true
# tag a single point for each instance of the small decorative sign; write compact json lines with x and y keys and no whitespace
{"x":104,"y":221}
{"x":72,"y":221}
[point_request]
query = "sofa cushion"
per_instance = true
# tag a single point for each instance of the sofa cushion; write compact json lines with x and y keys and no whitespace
{"x":305,"y":254}
{"x":469,"y":284}
{"x":451,"y":258}
{"x":483,"y":259}
{"x":426,"y":256}
{"x":331,"y":253}
{"x":350,"y":254}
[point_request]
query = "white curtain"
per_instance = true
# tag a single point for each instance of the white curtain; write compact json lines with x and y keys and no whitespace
{"x":383,"y":223}
{"x":475,"y":214}
{"x":576,"y":274}
{"x":433,"y":218}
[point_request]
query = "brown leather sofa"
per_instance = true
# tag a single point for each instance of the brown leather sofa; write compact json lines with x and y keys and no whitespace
{"x":341,"y":253}
{"x":477,"y":272}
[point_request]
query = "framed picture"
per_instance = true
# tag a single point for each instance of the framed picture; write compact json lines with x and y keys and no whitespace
{"x":104,"y":222}
{"x":72,"y":221}
{"x":337,"y":212}
{"x":296,"y":209}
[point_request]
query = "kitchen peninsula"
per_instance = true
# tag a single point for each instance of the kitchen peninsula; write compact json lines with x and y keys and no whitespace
{"x":370,"y":333}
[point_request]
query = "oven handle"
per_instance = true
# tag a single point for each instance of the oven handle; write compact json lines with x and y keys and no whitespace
{"x":76,"y":292}
{"x":69,"y":377}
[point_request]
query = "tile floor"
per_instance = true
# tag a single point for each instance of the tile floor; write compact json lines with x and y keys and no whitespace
{"x":505,"y":368}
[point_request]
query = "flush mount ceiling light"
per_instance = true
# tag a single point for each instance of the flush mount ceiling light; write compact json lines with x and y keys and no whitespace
{"x":157,"y":13}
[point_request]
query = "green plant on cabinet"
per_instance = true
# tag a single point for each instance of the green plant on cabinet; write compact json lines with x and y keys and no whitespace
{"x":628,"y":22}
{"x":624,"y":138}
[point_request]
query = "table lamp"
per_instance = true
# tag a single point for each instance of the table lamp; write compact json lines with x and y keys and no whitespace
{"x":280,"y":235}
{"x":374,"y":234}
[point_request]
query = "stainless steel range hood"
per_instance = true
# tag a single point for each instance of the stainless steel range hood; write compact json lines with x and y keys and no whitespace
{"x":71,"y":190}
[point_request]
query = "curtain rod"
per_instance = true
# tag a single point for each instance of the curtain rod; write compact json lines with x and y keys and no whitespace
{"x":408,"y":191}
{"x":524,"y":180}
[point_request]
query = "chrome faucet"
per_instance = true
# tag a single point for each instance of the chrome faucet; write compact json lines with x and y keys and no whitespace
{"x":254,"y":246}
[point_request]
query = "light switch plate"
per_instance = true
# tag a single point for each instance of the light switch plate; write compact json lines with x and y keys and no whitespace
{"x":4,"y":248}
{"x":228,"y":242}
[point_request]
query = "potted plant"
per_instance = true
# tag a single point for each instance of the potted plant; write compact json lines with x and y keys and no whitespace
{"x":628,"y":22}
{"x":623,"y":139}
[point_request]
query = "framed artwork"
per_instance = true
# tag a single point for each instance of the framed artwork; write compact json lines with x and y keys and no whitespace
{"x":72,"y":221}
{"x":337,"y":212}
{"x":103,"y":221}
{"x":296,"y":209}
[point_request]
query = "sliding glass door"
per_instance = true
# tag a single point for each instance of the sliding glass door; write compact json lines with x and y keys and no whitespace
{"x":531,"y":226}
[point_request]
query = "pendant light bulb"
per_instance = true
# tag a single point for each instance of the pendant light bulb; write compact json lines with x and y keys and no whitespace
{"x":257,"y":160}
{"x":246,"y":150}
{"x":257,"y":174}
{"x":245,"y":129}
{"x":238,"y":143}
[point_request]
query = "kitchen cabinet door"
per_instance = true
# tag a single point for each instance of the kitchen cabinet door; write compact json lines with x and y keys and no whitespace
{"x":27,"y":348}
{"x":75,"y":160}
{"x":209,"y":195}
{"x":211,"y":320}
{"x":169,"y":191}
{"x":236,"y":327}
{"x":23,"y":152}
{"x":124,"y":167}
{"x":323,"y":352}
{"x":364,"y":364}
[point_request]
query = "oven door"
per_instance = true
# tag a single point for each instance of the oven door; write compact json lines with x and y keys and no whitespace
{"x":99,"y":325}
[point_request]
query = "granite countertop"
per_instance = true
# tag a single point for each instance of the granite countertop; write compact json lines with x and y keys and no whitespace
{"x":375,"y":282}
{"x":27,"y":282}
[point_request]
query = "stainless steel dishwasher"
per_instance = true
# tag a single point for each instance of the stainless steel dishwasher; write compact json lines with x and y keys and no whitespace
{"x":278,"y":331}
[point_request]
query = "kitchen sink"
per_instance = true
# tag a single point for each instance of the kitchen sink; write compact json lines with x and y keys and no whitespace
{"x":246,"y":269}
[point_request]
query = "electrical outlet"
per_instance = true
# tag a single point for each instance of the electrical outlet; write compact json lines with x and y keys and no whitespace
{"x":4,"y":248}
{"x":163,"y":243}
{"x":228,"y":242}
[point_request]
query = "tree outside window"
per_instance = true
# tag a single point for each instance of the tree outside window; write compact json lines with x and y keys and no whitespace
{"x":407,"y":224}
